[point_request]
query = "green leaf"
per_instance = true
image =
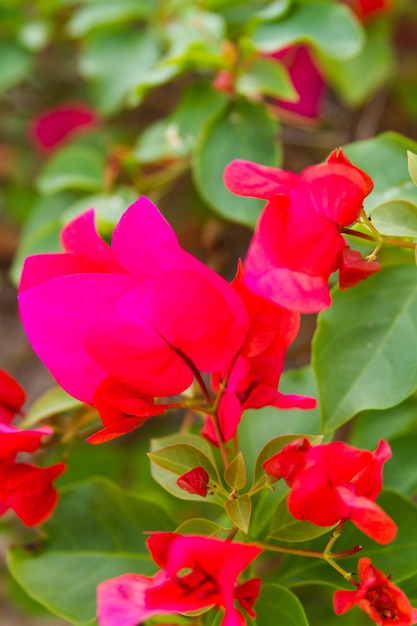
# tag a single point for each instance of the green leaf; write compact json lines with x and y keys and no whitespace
{"x":266,"y":77}
{"x":15,"y":64}
{"x":396,"y":218}
{"x":96,"y":533}
{"x":328,"y":27}
{"x":239,"y":511}
{"x":279,"y":605}
{"x":399,"y":473}
{"x":114,"y":61}
{"x":181,"y":458}
{"x":384,"y":158}
{"x":198,"y":451}
{"x":366,"y":358}
{"x":243,"y":131}
{"x":371,"y":426}
{"x":77,"y":166}
{"x":284,"y":527}
{"x":274,"y":446}
{"x":258,"y":427}
{"x":196,"y":40}
{"x":200,"y":526}
{"x":53,"y":402}
{"x":106,"y":12}
{"x":177,"y":135}
{"x":348,"y":77}
{"x":412,"y":166}
{"x":235,"y":473}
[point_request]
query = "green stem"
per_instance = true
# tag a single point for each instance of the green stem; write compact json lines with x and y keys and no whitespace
{"x":390,"y":241}
{"x":287,"y":550}
{"x":333,"y":538}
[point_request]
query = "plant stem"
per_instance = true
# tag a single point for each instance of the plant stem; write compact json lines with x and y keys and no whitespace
{"x":390,"y":241}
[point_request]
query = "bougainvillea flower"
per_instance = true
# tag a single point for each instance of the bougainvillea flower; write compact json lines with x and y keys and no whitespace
{"x":196,"y":573}
{"x":305,"y":78}
{"x":251,"y":382}
{"x":12,"y":398}
{"x":51,"y":128}
{"x":195,"y":481}
{"x":297,"y":243}
{"x":385,"y":603}
{"x":28,"y":490}
{"x":334,"y":481}
{"x":95,"y":311}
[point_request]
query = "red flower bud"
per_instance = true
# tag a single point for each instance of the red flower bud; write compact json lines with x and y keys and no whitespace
{"x":195,"y":481}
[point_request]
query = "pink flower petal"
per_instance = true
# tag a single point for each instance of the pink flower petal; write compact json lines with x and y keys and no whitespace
{"x":152,"y":346}
{"x":57,"y":316}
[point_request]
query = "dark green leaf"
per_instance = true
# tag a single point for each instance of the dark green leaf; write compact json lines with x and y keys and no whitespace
{"x":96,"y":533}
{"x":365,"y":348}
{"x":243,"y":131}
{"x":278,"y":605}
{"x":371,"y":426}
{"x":399,"y":472}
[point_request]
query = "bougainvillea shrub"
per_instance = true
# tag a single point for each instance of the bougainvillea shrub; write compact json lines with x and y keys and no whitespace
{"x":178,"y":471}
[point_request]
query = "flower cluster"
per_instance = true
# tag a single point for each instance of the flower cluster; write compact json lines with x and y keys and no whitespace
{"x":333,"y":482}
{"x":101,"y":319}
{"x":196,"y":573}
{"x":298,"y":244}
{"x":25,"y":488}
{"x":131,"y":326}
